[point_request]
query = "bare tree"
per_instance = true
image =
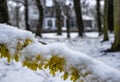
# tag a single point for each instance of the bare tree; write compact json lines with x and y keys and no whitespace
{"x":4,"y":18}
{"x":68,"y":17}
{"x":78,"y":12}
{"x":41,"y":17}
{"x":25,"y":3}
{"x":26,"y":14}
{"x":98,"y":17}
{"x":105,"y":28}
{"x":17,"y":15}
{"x":110,"y":16}
{"x":116,"y":44}
{"x":58,"y":10}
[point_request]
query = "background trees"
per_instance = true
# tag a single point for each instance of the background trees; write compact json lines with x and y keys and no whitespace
{"x":78,"y":12}
{"x":19,"y":13}
{"x":4,"y":18}
{"x":23,"y":11}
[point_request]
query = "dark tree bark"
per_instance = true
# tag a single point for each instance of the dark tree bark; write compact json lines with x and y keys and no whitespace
{"x":68,"y":20}
{"x":110,"y":16}
{"x":26,"y":15}
{"x":4,"y":18}
{"x":59,"y":19}
{"x":17,"y":15}
{"x":105,"y":28}
{"x":41,"y":18}
{"x":116,"y":44}
{"x":98,"y":17}
{"x":77,"y":7}
{"x":68,"y":27}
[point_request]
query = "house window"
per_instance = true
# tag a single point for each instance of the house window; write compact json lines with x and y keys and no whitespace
{"x":50,"y":23}
{"x":35,"y":11}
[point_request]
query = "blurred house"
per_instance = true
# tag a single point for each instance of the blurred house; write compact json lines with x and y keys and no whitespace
{"x":49,"y":16}
{"x":50,"y":19}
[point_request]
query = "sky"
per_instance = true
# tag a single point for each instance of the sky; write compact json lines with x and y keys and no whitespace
{"x":49,"y":2}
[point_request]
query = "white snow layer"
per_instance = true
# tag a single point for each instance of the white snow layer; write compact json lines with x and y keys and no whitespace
{"x":97,"y":71}
{"x":11,"y":35}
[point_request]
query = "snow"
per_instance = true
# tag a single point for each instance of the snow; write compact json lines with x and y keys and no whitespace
{"x":73,"y":50}
{"x":14,"y":72}
{"x":10,"y":36}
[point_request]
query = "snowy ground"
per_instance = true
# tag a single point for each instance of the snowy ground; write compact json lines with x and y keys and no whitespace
{"x":90,"y":45}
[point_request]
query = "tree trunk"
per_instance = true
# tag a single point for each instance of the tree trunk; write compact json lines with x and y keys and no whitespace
{"x":59,"y":26}
{"x":17,"y":15}
{"x":105,"y":28}
{"x":4,"y":18}
{"x":41,"y":18}
{"x":68,"y":27}
{"x":98,"y":17}
{"x":58,"y":18}
{"x":68,"y":15}
{"x":116,"y":44}
{"x":77,"y":7}
{"x":26,"y":15}
{"x":110,"y":16}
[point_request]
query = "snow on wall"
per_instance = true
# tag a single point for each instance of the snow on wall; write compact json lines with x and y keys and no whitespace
{"x":22,"y":46}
